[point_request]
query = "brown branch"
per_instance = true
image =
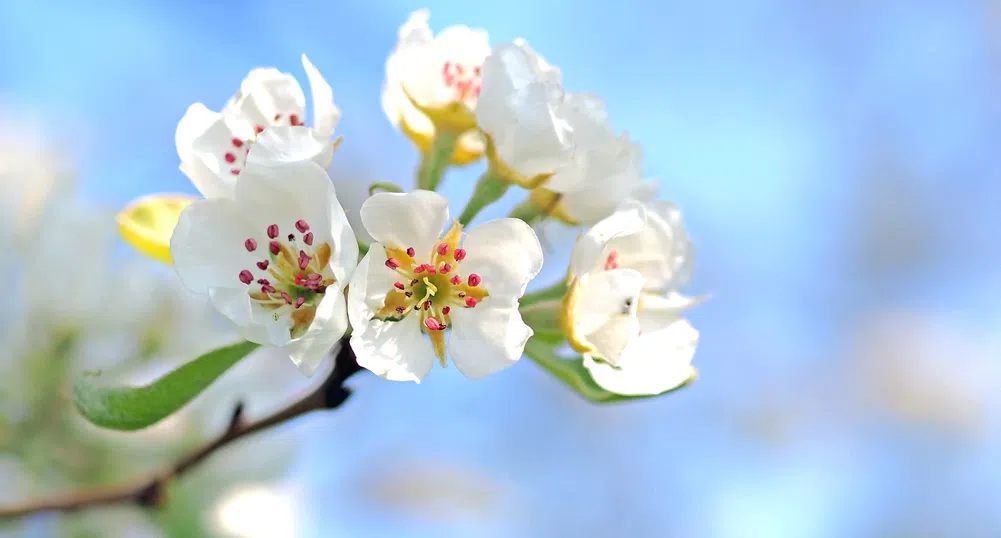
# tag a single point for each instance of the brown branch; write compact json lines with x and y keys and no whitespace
{"x":150,"y":491}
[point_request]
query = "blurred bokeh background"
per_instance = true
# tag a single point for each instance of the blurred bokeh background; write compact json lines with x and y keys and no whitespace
{"x":832,"y":160}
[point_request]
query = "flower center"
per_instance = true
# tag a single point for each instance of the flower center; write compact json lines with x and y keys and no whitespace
{"x":431,"y":289}
{"x":236,"y":154}
{"x":292,"y":277}
{"x":463,"y":80}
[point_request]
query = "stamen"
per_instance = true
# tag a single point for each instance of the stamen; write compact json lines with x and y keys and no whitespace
{"x":273,"y":231}
{"x":259,"y":129}
{"x":408,"y":293}
{"x":303,"y":260}
{"x":291,"y":237}
{"x":308,"y":239}
{"x":400,"y":309}
{"x":420,"y":268}
{"x":446,"y":310}
{"x":411,"y":252}
{"x":455,"y":280}
{"x":434,"y":325}
{"x":612,"y":262}
{"x":414,"y":282}
{"x":430,"y":269}
{"x":427,"y":305}
{"x":470,"y":302}
{"x":250,"y":245}
{"x":399,"y":285}
{"x":474,"y":280}
{"x":274,"y":247}
{"x":263,"y":281}
{"x":301,"y":226}
{"x":294,"y":120}
{"x":230,"y":158}
{"x":393,"y":263}
{"x":445,"y":268}
{"x":459,"y":254}
{"x":300,"y":301}
{"x":288,"y":300}
{"x":246,"y":277}
{"x":263,"y":265}
{"x":237,"y":143}
{"x":268,"y":288}
{"x":443,"y":249}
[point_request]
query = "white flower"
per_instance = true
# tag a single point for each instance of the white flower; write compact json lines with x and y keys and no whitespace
{"x":213,"y":146}
{"x":439,"y":74}
{"x":603,"y":177}
{"x":414,"y":282}
{"x":275,"y":257}
{"x":622,"y":311}
{"x":525,"y":112}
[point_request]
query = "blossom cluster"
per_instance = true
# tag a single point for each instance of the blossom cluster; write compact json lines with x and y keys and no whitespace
{"x":271,"y":246}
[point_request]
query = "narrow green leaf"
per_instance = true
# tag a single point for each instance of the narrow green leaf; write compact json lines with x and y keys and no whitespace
{"x":135,"y":408}
{"x":572,"y":373}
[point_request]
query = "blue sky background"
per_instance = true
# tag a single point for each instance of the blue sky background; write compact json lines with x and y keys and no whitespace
{"x":835,"y":163}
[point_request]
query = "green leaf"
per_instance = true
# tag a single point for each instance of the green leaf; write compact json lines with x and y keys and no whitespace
{"x":572,"y":373}
{"x":135,"y":408}
{"x":552,"y":293}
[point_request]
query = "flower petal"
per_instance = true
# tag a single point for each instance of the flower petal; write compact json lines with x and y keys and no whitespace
{"x":506,"y":254}
{"x":200,"y":134}
{"x":415,"y":219}
{"x":329,"y":325}
{"x":487,"y":338}
{"x":325,"y":112}
{"x":290,"y":144}
{"x":662,"y":251}
{"x":284,"y":192}
{"x":265,"y":94}
{"x":208,"y":245}
{"x":397,"y":351}
{"x":603,"y":311}
{"x":656,"y":362}
{"x":587,"y":254}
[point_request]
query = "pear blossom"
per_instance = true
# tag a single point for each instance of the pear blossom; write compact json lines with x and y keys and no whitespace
{"x":436,"y":79}
{"x":213,"y":146}
{"x":415,"y":282}
{"x":622,"y":311}
{"x":539,"y":134}
{"x":274,"y":258}
{"x":525,"y":113}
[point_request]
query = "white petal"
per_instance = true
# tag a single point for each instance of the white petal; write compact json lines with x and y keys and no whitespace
{"x":414,"y":36}
{"x":656,"y":362}
{"x":661,"y":251}
{"x":397,"y":351}
{"x":506,"y":254}
{"x":487,"y":338}
{"x":290,"y":144}
{"x":267,"y":92}
{"x":325,"y":112}
{"x":587,"y":254}
{"x":284,"y":192}
{"x":208,"y":245}
{"x":603,"y":294}
{"x":415,"y":219}
{"x":657,"y":311}
{"x":331,"y":321}
{"x":203,"y":139}
{"x":613,"y":174}
{"x":518,"y":106}
{"x":254,"y":324}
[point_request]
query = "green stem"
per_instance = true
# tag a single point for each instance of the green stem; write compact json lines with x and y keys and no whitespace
{"x":489,"y":189}
{"x":552,"y":293}
{"x":435,"y":162}
{"x":384,"y":187}
{"x":526,"y":211}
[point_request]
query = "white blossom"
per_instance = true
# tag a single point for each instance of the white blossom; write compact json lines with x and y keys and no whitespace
{"x":274,"y":258}
{"x":437,"y":75}
{"x":623,"y":311}
{"x":213,"y":146}
{"x":414,"y":282}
